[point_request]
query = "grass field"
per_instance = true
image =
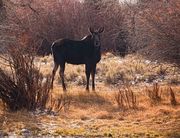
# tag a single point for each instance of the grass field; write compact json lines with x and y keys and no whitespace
{"x":133,"y":98}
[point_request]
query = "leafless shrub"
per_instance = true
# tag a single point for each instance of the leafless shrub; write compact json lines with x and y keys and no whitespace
{"x":154,"y":94}
{"x":126,"y":98}
{"x":23,"y":86}
{"x":172,"y":97}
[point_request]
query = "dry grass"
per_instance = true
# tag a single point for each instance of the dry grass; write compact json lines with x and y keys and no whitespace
{"x":158,"y":94}
{"x":97,"y":114}
{"x":126,"y":98}
{"x":172,"y":97}
{"x":114,"y":71}
{"x":154,"y":94}
{"x":61,"y":103}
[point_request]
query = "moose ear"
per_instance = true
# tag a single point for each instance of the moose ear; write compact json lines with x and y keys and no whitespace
{"x":101,"y":30}
{"x":91,"y":30}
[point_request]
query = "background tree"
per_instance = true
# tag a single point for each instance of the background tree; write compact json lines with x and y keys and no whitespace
{"x":148,"y":26}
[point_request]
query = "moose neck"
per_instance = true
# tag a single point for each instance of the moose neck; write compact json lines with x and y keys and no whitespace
{"x":96,"y":49}
{"x":96,"y":52}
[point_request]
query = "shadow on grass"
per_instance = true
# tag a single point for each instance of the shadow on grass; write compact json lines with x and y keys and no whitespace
{"x":85,"y":100}
{"x":90,"y":99}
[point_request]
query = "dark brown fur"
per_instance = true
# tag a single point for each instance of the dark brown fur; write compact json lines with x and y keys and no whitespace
{"x":86,"y":51}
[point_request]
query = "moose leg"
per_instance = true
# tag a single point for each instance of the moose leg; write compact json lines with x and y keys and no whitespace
{"x":87,"y":76}
{"x":93,"y":72}
{"x":61,"y":73}
{"x":54,"y":73}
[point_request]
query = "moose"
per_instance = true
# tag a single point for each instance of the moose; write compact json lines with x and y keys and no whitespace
{"x":85,"y":51}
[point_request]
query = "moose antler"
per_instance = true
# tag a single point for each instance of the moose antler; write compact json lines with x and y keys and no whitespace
{"x":91,"y":30}
{"x":101,"y":29}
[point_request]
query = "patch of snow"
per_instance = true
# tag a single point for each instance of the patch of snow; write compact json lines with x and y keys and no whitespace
{"x":119,"y":61}
{"x":26,"y":132}
{"x":147,"y":61}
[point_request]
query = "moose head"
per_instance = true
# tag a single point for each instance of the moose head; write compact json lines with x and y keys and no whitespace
{"x":96,"y":36}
